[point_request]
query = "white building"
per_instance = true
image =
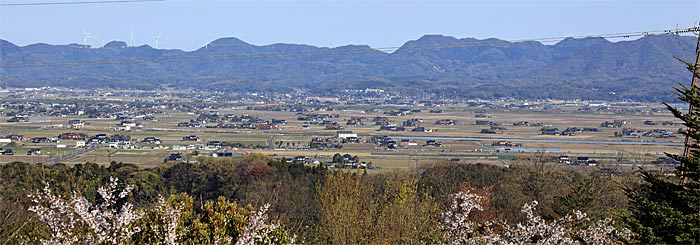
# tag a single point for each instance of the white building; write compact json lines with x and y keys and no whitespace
{"x":345,"y":134}
{"x":597,"y":103}
{"x":77,"y":125}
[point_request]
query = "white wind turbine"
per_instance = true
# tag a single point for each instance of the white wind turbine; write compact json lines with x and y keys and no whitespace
{"x":131,"y":39}
{"x":155,"y":38}
{"x":103,"y":40}
{"x":86,"y":36}
{"x":206,"y":42}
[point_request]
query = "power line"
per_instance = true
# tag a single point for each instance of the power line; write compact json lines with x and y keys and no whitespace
{"x":74,"y":3}
{"x":352,"y":50}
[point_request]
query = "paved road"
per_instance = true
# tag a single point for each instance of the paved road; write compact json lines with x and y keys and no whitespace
{"x":604,"y":142}
{"x":70,"y":155}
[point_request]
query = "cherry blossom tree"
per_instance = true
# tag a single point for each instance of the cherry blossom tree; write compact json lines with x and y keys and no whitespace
{"x":459,"y":229}
{"x":104,"y":222}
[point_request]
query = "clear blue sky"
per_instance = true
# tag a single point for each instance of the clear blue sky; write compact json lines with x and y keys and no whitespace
{"x":184,"y":23}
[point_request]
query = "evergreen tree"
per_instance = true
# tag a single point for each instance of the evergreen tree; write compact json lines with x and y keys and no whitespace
{"x":665,"y":210}
{"x":337,"y":158}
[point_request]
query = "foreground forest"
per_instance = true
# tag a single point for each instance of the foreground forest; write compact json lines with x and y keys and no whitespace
{"x":316,"y":204}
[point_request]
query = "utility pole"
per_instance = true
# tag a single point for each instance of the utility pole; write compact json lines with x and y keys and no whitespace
{"x":417,"y":159}
{"x":694,"y":89}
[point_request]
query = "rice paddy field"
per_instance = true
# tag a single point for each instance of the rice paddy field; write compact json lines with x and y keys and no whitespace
{"x":292,"y":139}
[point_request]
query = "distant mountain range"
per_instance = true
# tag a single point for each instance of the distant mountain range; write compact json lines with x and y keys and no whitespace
{"x":593,"y":68}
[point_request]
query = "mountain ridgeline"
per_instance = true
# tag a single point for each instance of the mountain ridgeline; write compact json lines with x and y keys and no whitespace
{"x":592,"y":68}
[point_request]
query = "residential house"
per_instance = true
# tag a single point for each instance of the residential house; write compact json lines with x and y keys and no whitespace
{"x":484,"y":122}
{"x":506,"y":143}
{"x":76,"y":124}
{"x":190,"y":138}
{"x":333,"y":127}
{"x":213,"y":145}
{"x":151,"y":140}
{"x":342,"y":134}
{"x":488,"y":131}
{"x":564,"y":159}
{"x":120,"y":141}
{"x":421,"y":129}
{"x":521,"y":124}
{"x":37,"y":140}
{"x":17,"y":119}
{"x":407,"y":143}
{"x":222,"y":154}
{"x":8,"y":152}
{"x":614,"y":124}
{"x":433,"y":143}
{"x":264,"y":126}
{"x":391,"y":127}
{"x":72,"y":136}
{"x":17,"y":137}
{"x":448,"y":122}
{"x":34,"y":152}
{"x":550,"y":131}
{"x":351,"y":140}
{"x":381,"y":120}
{"x":174,"y":157}
{"x":299,"y":159}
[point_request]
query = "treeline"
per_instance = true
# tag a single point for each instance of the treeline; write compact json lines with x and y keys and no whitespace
{"x":316,"y":204}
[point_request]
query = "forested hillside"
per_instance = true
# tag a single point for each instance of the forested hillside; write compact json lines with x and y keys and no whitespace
{"x":594,"y":68}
